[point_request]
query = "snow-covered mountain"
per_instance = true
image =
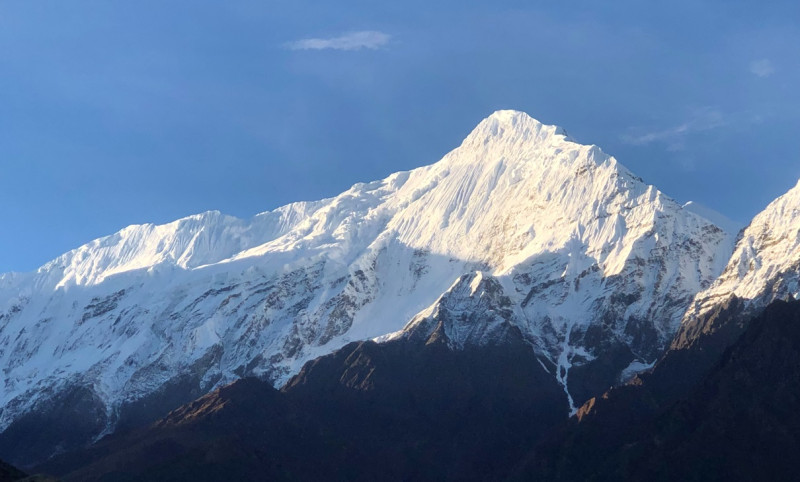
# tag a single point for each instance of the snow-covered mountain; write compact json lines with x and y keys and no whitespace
{"x":765,"y":266}
{"x":717,"y":218}
{"x":595,"y":268}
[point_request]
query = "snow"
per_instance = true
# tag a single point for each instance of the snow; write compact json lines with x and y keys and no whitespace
{"x":635,"y":367}
{"x":765,"y":264}
{"x":724,"y":222}
{"x":562,"y":228}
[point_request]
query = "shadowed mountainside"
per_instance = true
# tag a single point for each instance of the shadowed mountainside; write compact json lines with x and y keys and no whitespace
{"x":417,"y":409}
{"x":395,"y":411}
{"x":9,"y":473}
{"x":738,"y":422}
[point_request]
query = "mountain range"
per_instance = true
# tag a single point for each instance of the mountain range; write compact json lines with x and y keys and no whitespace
{"x":511,"y":284}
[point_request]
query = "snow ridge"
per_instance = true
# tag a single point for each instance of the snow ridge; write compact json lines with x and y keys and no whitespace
{"x":765,"y":264}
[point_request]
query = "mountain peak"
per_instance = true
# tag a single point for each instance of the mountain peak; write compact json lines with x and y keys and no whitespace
{"x":511,"y":115}
{"x":515,"y":127}
{"x":518,"y":118}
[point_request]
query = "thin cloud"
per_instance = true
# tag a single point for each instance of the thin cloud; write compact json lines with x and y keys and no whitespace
{"x":762,"y":68}
{"x":366,"y":39}
{"x":702,"y":120}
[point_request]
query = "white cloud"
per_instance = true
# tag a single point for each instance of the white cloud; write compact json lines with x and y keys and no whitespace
{"x":702,"y":120}
{"x":762,"y":68}
{"x":367,"y":39}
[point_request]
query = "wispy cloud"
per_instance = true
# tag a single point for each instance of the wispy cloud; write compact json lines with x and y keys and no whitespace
{"x":762,"y":68}
{"x":701,"y":120}
{"x":366,"y":39}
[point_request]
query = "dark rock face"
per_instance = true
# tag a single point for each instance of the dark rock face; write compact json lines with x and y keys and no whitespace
{"x":70,"y":418}
{"x":74,"y":417}
{"x":696,"y":349}
{"x":737,"y":420}
{"x":177,"y":391}
{"x":9,"y":473}
{"x":402,"y":410}
{"x":741,"y":422}
{"x":593,"y":377}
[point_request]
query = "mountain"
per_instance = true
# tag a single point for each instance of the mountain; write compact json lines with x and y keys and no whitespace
{"x":738,"y":422}
{"x":741,"y":422}
{"x":593,"y":267}
{"x":703,"y":378}
{"x":414,"y":408}
{"x":401,"y":410}
{"x":765,"y":266}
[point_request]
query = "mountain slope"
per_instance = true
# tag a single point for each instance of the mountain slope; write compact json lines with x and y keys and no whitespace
{"x":654,"y":408}
{"x":394,"y":411}
{"x":9,"y":473}
{"x":416,"y":408}
{"x":594,"y":268}
{"x":765,"y":266}
{"x":739,"y":421}
{"x":715,"y":217}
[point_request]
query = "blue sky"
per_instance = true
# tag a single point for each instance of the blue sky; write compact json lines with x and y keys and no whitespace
{"x":116,"y":112}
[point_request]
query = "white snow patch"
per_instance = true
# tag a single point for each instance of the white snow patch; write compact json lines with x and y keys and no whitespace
{"x":636,"y":367}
